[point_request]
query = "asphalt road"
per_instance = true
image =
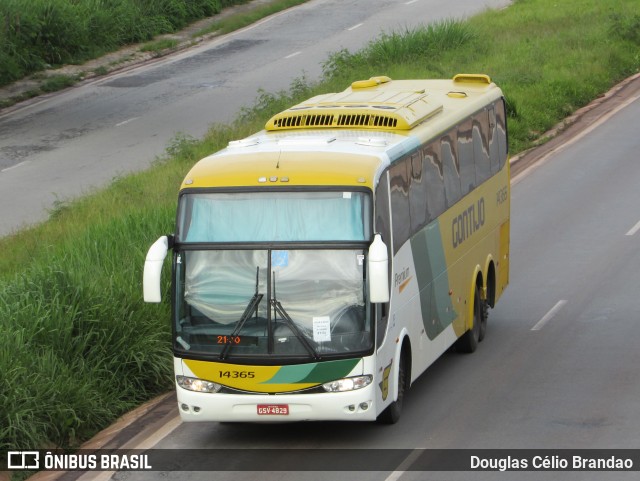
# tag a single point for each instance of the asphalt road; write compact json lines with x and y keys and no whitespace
{"x":559,"y":366}
{"x":68,"y":144}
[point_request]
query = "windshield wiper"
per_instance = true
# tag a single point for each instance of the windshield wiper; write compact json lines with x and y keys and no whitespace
{"x":277,"y":306}
{"x":249,"y":310}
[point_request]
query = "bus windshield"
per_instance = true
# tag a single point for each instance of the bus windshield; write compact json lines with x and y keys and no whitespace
{"x":273,"y":216}
{"x":270,"y":303}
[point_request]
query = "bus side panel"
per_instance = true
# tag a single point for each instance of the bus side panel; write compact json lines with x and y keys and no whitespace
{"x":433,"y":275}
{"x":475,"y":232}
{"x":503,"y":271}
{"x":413,"y":313}
{"x":404,"y":310}
{"x":433,"y":280}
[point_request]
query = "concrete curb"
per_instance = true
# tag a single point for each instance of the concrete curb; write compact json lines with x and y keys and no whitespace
{"x":133,"y":430}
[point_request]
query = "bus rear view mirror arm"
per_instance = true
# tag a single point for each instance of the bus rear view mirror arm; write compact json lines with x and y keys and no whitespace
{"x":378,"y":267}
{"x":153,"y":268}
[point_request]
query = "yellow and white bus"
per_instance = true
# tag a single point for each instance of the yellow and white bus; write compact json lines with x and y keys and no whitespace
{"x":322,"y":264}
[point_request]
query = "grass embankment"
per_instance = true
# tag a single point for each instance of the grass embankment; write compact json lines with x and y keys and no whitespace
{"x":241,"y":20}
{"x":35,"y":34}
{"x":78,"y":346}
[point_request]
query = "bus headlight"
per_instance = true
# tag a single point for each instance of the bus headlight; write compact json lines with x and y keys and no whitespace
{"x":348,"y":384}
{"x":197,"y":385}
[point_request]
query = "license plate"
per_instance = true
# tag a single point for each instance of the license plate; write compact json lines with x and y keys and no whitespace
{"x":273,"y":409}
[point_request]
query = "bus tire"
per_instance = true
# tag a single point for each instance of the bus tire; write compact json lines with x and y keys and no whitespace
{"x":484,"y":316}
{"x":468,"y":342}
{"x":392,"y":413}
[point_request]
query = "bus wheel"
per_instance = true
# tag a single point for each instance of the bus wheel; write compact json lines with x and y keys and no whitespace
{"x":484,"y":316}
{"x":391,"y":415}
{"x":469,"y":340}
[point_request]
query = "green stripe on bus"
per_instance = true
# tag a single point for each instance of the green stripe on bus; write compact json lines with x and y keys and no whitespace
{"x":431,"y":270}
{"x":313,"y":372}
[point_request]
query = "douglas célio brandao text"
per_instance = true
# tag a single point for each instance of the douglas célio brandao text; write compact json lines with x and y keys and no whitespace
{"x":550,"y":463}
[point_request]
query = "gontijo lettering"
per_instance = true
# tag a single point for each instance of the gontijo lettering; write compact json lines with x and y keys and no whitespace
{"x":468,"y":222}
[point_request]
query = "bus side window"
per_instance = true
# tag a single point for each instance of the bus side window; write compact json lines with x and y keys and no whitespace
{"x":465,"y":157}
{"x":451,"y":168}
{"x":382,"y":209}
{"x":401,"y":219}
{"x":481,"y":146}
{"x":502,"y":132}
{"x":433,"y":168}
{"x":382,"y":227}
{"x":418,"y":193}
{"x":494,"y":153}
{"x":382,"y":321}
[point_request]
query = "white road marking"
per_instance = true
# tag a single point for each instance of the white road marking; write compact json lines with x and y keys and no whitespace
{"x":157,"y":436}
{"x":409,"y":3}
{"x":15,"y":166}
{"x":125,"y":122}
{"x":634,"y":229}
{"x":355,"y":26}
{"x":549,"y":315}
{"x":291,"y":55}
{"x":404,"y":465}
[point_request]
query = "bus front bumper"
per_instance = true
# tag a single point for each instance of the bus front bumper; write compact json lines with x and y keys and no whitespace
{"x":357,"y":405}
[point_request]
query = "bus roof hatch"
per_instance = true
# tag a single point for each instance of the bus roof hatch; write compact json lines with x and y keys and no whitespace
{"x":368,"y":104}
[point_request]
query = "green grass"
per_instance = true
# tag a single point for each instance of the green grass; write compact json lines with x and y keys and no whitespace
{"x":78,"y":347}
{"x":36,"y":34}
{"x":101,"y":70}
{"x":240,"y":20}
{"x":58,"y":82}
{"x":158,"y":46}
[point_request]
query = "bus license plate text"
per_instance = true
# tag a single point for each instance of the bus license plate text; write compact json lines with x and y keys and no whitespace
{"x":273,"y":409}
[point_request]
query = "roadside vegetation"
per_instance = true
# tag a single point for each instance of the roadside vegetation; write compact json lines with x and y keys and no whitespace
{"x":38,"y":34}
{"x":78,"y":347}
{"x":241,"y":20}
{"x":38,"y":57}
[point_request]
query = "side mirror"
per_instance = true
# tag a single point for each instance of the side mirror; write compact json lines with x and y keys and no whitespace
{"x":153,"y":268}
{"x":378,"y":267}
